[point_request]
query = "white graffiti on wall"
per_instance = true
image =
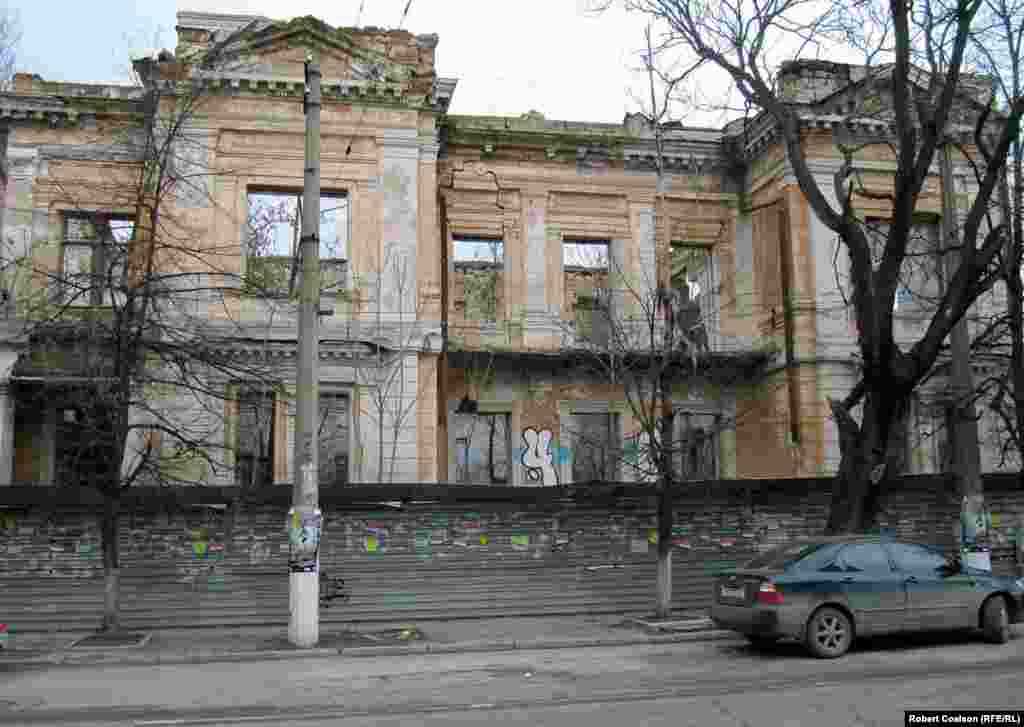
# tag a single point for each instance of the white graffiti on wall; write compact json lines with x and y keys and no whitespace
{"x":538,"y":458}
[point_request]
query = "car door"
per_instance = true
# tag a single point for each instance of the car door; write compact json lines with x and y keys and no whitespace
{"x":872,"y":589}
{"x":936,"y":598}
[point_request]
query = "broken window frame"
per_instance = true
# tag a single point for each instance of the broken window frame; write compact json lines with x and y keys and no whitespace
{"x":592,"y":308}
{"x":480,"y":297}
{"x":105,"y":254}
{"x":698,"y":306}
{"x":334,"y":248}
{"x":907,"y":302}
{"x":582,"y":254}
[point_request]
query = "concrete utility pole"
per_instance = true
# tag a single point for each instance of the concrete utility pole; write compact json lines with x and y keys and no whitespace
{"x":304,"y":518}
{"x":663,"y":387}
{"x":964,"y":437}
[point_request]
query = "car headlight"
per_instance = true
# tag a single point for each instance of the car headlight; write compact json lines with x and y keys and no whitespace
{"x":1020,"y":583}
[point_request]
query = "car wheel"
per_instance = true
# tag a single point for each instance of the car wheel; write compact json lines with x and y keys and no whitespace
{"x":995,"y":622}
{"x":761,"y":641}
{"x":829,"y":633}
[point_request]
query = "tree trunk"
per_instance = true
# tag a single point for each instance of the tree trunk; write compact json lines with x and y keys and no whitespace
{"x":111,"y":563}
{"x":1013,"y":215}
{"x":663,"y":607}
{"x":869,"y":453}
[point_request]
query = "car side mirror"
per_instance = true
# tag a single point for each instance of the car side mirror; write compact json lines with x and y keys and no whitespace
{"x":951,"y":567}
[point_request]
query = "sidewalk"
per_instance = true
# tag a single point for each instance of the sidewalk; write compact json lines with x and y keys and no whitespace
{"x":177,"y":646}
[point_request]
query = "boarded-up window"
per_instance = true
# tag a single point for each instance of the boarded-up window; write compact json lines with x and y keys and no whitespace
{"x":483,"y":448}
{"x":695,"y":446}
{"x":254,"y":456}
{"x":333,"y":436}
{"x":767,"y":233}
{"x":595,"y":446}
{"x":263,"y":447}
{"x":84,"y":443}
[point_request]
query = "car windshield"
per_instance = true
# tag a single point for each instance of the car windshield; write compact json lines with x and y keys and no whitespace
{"x":783,"y":556}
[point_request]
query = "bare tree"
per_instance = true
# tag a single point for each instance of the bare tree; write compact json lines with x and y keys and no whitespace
{"x":648,"y":335}
{"x":395,"y":338}
{"x":998,"y":50}
{"x":10,"y":37}
{"x":125,"y":315}
{"x":916,"y":55}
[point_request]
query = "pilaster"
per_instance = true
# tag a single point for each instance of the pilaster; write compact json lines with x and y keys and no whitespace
{"x":541,"y":287}
{"x":399,"y":208}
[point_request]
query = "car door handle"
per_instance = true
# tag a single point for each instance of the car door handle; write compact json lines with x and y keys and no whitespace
{"x":848,"y":579}
{"x":911,"y":579}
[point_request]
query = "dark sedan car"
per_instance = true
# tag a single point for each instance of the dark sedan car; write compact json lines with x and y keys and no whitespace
{"x":827,"y":591}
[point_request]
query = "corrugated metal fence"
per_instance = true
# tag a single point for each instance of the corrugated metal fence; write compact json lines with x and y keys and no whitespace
{"x":201,"y":558}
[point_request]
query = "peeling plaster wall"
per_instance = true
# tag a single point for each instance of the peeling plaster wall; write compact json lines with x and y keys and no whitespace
{"x":546,"y":401}
{"x":546,"y":202}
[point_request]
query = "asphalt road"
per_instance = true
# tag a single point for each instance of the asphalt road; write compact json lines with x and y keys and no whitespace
{"x":702,"y":683}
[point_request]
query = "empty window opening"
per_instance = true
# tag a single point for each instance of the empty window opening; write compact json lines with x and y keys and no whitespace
{"x":94,"y":254}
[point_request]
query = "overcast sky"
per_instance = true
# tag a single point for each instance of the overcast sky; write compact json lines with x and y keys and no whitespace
{"x":509,"y":56}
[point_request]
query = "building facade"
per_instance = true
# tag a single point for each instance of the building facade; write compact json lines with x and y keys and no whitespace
{"x":476,"y":270}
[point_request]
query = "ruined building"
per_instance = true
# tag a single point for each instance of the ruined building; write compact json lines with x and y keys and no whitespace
{"x":478,"y":272}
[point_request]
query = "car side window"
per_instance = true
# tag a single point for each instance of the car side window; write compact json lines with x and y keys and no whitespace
{"x":910,"y":557}
{"x":819,"y":559}
{"x":864,"y":557}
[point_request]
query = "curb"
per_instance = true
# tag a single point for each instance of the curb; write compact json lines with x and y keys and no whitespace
{"x":477,"y":646}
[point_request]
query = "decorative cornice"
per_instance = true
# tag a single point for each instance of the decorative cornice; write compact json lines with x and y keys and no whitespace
{"x":754,"y":137}
{"x":216,"y":21}
{"x":92,"y":152}
{"x":36,"y":108}
{"x":349,"y":91}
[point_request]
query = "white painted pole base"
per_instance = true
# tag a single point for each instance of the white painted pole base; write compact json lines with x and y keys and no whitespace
{"x":304,"y":608}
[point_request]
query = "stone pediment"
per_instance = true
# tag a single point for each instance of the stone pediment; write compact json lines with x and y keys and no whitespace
{"x":267,"y":49}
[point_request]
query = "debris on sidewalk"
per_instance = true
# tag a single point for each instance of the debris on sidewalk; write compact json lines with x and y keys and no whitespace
{"x":403,"y":633}
{"x":113,"y":640}
{"x":683,"y":622}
